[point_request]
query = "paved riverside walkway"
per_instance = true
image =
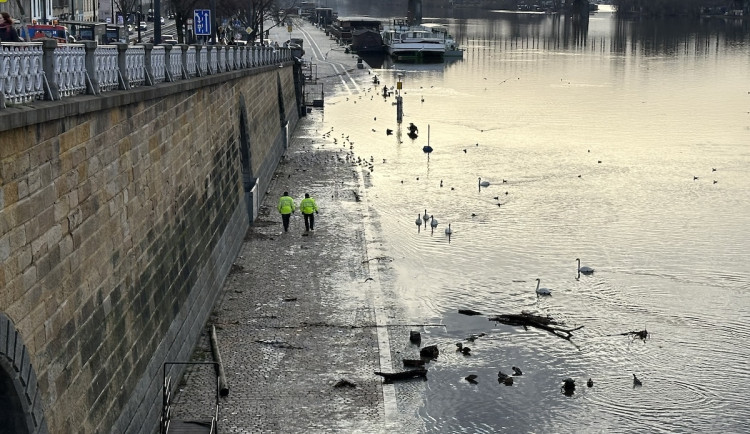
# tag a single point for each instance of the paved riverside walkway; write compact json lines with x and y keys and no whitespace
{"x":302,"y":321}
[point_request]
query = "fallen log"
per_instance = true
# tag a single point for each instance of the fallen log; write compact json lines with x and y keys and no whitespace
{"x":527,"y":320}
{"x":405,"y":375}
{"x":469,"y":312}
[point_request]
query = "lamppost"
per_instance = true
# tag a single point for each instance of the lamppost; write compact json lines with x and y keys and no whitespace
{"x":156,"y":5}
{"x":138,"y":22}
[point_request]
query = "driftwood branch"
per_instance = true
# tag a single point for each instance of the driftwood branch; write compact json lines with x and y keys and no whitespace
{"x":642,"y":334}
{"x":378,"y":258}
{"x":405,"y":375}
{"x":527,"y":320}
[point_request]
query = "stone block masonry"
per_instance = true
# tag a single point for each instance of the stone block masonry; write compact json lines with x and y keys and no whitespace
{"x":120,"y":217}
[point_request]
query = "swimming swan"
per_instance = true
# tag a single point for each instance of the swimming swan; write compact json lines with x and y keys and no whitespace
{"x":484,"y":183}
{"x":584,"y":269}
{"x":448,"y":230}
{"x":419,"y":220}
{"x":425,"y":217}
{"x":434,"y":222}
{"x":542,"y":291}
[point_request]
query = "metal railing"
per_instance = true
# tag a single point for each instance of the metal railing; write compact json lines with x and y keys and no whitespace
{"x":166,"y":419}
{"x":46,"y":70}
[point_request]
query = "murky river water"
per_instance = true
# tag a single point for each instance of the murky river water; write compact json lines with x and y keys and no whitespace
{"x":626,"y":146}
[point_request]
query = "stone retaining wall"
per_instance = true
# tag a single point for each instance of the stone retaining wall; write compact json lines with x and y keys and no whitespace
{"x":120,"y":217}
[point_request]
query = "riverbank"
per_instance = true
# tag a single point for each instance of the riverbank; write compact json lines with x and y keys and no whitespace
{"x":302,"y":320}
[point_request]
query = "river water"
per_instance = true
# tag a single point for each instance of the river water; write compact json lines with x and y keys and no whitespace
{"x":625,"y":145}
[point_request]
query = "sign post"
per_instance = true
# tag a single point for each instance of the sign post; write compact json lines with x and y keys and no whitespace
{"x":202,"y":22}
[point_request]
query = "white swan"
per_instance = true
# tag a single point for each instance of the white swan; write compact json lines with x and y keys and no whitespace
{"x":584,"y":269}
{"x":425,"y":217}
{"x":419,"y":220}
{"x":434,"y":222}
{"x":542,"y":291}
{"x":448,"y":230}
{"x":484,"y":183}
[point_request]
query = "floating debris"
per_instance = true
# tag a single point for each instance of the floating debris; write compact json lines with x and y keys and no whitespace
{"x":345,"y":383}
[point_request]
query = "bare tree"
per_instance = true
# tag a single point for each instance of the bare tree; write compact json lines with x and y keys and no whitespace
{"x":183,"y":10}
{"x":254,"y":14}
{"x":126,"y":7}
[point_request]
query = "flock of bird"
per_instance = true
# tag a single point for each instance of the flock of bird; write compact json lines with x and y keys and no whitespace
{"x":568,"y":386}
{"x":581,"y":269}
{"x":424,"y":218}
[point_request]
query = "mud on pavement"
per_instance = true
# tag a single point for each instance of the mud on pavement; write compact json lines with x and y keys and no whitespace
{"x":300,"y":321}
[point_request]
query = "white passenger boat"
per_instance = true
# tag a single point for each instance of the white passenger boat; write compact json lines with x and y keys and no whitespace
{"x":404,"y":42}
{"x":452,"y":49}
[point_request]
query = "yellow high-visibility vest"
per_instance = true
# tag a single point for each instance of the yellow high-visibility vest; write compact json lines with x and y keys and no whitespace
{"x":286,"y":205}
{"x":308,"y":205}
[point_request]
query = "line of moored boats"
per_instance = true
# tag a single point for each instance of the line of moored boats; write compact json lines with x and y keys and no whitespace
{"x":401,"y":39}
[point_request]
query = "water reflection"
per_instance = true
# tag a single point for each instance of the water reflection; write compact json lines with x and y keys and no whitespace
{"x":599,"y":132}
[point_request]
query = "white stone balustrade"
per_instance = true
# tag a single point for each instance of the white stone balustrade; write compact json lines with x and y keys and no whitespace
{"x":135,"y":65}
{"x":222,"y":63}
{"x":105,"y":65}
{"x":203,"y":60}
{"x":159,"y":64}
{"x":174,"y":62}
{"x":32,"y":71}
{"x":21,"y":73}
{"x":190,"y":61}
{"x":70,"y":69}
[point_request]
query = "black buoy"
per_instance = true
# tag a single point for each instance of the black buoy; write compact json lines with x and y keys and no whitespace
{"x":415,"y":337}
{"x":430,"y":352}
{"x":569,"y":386}
{"x":427,"y":148}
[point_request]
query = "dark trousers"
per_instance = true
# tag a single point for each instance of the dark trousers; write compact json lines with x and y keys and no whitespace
{"x":309,"y":221}
{"x":285,"y":220}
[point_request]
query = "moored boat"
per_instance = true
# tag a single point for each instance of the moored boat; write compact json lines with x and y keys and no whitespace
{"x":412,"y":42}
{"x":367,"y":40}
{"x":452,"y":48}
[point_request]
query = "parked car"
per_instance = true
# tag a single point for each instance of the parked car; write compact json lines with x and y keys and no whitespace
{"x":143,"y":26}
{"x":168,"y":39}
{"x":161,"y":19}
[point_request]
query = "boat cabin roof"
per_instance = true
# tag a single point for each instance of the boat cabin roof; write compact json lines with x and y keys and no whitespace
{"x":358,"y":20}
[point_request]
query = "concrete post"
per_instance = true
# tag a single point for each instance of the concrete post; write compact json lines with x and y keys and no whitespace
{"x":168,"y":61}
{"x":150,"y":80}
{"x":92,"y":85}
{"x":183,"y":59}
{"x":210,"y":51}
{"x":122,"y":50}
{"x":232,"y":51}
{"x":199,"y":72}
{"x":52,"y":92}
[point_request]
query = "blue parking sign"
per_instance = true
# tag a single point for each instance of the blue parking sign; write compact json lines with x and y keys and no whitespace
{"x":202,"y":22}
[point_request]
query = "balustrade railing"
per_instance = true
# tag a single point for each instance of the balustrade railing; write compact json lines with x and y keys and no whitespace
{"x":47,"y":70}
{"x":21,"y":72}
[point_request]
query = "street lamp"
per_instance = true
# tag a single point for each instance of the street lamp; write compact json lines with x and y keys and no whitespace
{"x":138,"y":20}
